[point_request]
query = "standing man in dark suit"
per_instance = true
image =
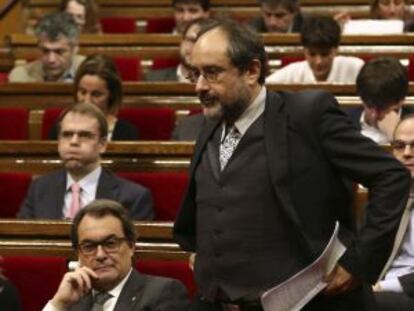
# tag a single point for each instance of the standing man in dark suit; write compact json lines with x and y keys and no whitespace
{"x":395,"y":287}
{"x":104,"y":239}
{"x":82,"y":137}
{"x":270,"y":176}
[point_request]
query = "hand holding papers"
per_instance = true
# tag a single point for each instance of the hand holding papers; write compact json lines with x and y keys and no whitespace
{"x":297,"y":291}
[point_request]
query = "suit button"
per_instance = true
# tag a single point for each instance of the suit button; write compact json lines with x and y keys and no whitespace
{"x":217,"y":254}
{"x":220,"y":208}
{"x":217,"y":231}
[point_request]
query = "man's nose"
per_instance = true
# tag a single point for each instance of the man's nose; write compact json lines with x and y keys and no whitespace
{"x":51,"y":57}
{"x":100,"y":253}
{"x":201,"y":84}
{"x":407,"y":151}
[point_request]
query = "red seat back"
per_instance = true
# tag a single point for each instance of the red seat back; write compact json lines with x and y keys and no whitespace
{"x":160,"y":25}
{"x":167,"y":190}
{"x":14,"y":123}
{"x":36,"y":278}
{"x":118,"y":24}
{"x":286,"y":60}
{"x":13,"y":190}
{"x":129,"y":68}
{"x":4,"y":77}
{"x":152,"y":123}
{"x":162,"y":63}
{"x":178,"y":270}
{"x":50,"y":117}
{"x":411,"y":69}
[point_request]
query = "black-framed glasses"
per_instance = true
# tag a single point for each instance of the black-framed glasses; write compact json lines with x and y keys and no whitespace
{"x":109,"y":245}
{"x":82,"y":135}
{"x":399,"y":145}
{"x":211,"y":74}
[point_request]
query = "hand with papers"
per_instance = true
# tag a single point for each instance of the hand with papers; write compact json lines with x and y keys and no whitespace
{"x":340,"y":281}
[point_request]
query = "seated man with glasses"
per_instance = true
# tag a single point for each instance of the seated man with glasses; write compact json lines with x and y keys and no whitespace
{"x":104,"y":239}
{"x":395,"y":287}
{"x":82,"y":138}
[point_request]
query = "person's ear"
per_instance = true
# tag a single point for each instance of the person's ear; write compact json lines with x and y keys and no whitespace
{"x":253,"y":72}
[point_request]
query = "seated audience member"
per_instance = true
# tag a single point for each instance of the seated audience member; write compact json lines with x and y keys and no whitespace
{"x":57,"y":36}
{"x":185,"y":11}
{"x":85,"y":13}
{"x":9,"y":298}
{"x":395,"y":288}
{"x":180,"y":72}
{"x":382,"y":86}
{"x":278,"y":16}
{"x":104,"y":238}
{"x":320,"y":38}
{"x":82,"y":133}
{"x":98,"y":82}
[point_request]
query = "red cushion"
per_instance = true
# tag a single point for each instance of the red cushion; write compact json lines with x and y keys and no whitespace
{"x":129,"y":68}
{"x":411,"y":69}
{"x":36,"y":278}
{"x":118,"y":24}
{"x":152,"y":123}
{"x":50,"y":117}
{"x":161,"y":63}
{"x":14,"y":123}
{"x":286,"y":60}
{"x":173,"y":269}
{"x":4,"y":77}
{"x":167,"y":190}
{"x":160,"y":24}
{"x":13,"y":190}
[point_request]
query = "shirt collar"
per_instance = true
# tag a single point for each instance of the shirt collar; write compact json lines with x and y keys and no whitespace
{"x":87,"y":183}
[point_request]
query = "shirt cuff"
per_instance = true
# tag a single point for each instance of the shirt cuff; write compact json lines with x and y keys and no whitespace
{"x":391,"y":285}
{"x":50,"y":307}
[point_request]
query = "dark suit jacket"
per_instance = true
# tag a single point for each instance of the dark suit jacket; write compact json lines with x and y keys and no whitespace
{"x":313,"y":153}
{"x":123,"y":130}
{"x":259,"y":25}
{"x":45,"y":198}
{"x":167,"y":74}
{"x":145,"y":293}
{"x":188,"y":128}
{"x":9,"y":298}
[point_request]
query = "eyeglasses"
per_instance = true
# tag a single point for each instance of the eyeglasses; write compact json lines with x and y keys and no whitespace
{"x":82,"y":135}
{"x":109,"y":245}
{"x":211,"y":74}
{"x":399,"y":145}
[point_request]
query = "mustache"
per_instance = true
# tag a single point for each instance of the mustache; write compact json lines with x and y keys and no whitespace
{"x":206,"y":98}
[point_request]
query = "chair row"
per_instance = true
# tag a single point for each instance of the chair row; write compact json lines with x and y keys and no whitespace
{"x":167,"y":189}
{"x":38,"y":277}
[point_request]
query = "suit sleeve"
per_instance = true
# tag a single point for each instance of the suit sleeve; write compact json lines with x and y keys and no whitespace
{"x":364,"y":162}
{"x":174,"y":297}
{"x":27,"y":208}
{"x":142,"y":207}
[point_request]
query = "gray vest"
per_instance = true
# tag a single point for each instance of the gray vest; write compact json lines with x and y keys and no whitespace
{"x":244,"y":239}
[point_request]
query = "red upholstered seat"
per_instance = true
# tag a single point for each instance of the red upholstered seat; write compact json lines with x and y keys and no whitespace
{"x":4,"y":77}
{"x":50,"y":117}
{"x":168,"y":268}
{"x":36,"y":278}
{"x":152,"y":123}
{"x":129,"y":68}
{"x":286,"y":60}
{"x":160,"y":25}
{"x":411,"y":69}
{"x":118,"y":24}
{"x":13,"y":189}
{"x":167,"y":190}
{"x":162,"y":63}
{"x":14,"y":123}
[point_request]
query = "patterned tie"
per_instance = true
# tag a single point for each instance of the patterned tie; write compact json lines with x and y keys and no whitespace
{"x":99,"y":300}
{"x":228,"y":145}
{"x":75,"y":203}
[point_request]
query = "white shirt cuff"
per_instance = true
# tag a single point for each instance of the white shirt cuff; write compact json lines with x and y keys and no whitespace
{"x":391,"y":285}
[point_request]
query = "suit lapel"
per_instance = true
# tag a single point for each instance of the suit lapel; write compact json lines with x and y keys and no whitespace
{"x":276,"y":142}
{"x":84,"y":305}
{"x":58,"y":196}
{"x":107,"y":187}
{"x":131,"y":293}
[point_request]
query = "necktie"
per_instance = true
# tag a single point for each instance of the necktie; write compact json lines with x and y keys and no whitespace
{"x":228,"y":145}
{"x":99,"y":300}
{"x":75,"y":203}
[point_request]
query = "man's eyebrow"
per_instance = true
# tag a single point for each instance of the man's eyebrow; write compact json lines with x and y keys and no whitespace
{"x":94,"y":241}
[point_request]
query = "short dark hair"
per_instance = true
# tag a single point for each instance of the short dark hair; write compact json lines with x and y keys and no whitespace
{"x":320,"y":32}
{"x":90,"y":110}
{"x":99,"y":209}
{"x":382,"y":81}
{"x":290,"y":5}
{"x":205,"y":4}
{"x":244,"y":45}
{"x":56,"y":25}
{"x":103,"y":67}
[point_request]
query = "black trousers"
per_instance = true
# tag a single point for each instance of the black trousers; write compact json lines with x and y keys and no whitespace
{"x":390,"y":301}
{"x":200,"y":304}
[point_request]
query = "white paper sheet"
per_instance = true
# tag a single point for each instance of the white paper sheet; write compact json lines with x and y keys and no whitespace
{"x":297,"y":291}
{"x":373,"y":27}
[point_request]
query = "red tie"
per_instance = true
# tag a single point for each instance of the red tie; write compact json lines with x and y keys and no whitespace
{"x":75,"y":204}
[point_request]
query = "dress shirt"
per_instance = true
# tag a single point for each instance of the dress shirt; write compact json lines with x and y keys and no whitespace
{"x":373,"y":132}
{"x":403,"y":263}
{"x":251,"y":114}
{"x":109,"y":305}
{"x":88,"y":185}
